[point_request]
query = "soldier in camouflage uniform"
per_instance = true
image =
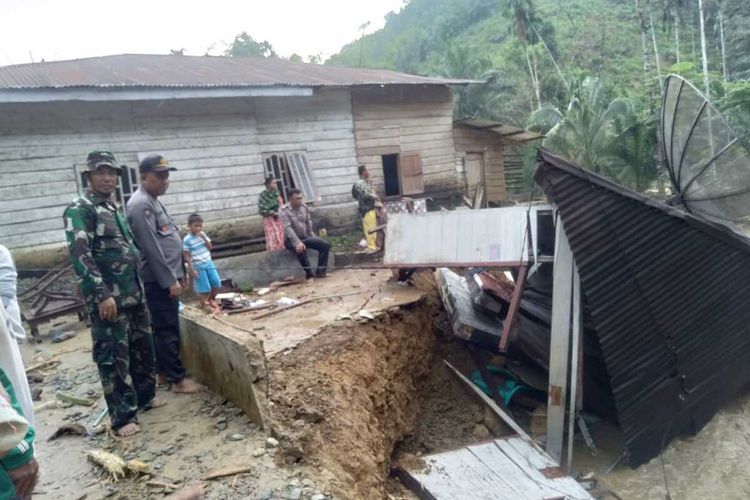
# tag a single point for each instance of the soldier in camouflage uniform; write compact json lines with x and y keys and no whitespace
{"x":106,"y":260}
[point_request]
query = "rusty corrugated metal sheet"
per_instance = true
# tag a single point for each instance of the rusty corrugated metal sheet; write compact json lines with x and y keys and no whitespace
{"x":669,"y":296}
{"x":507,"y":132}
{"x":133,"y":70}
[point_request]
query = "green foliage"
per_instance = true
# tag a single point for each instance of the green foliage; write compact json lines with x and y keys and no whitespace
{"x":631,"y":155}
{"x":737,"y":26}
{"x":519,"y":47}
{"x":485,"y":100}
{"x":583,"y":131}
{"x":245,"y":46}
{"x":735,"y":105}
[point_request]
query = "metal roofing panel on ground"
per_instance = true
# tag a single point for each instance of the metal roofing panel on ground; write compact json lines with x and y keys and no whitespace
{"x":138,"y":70}
{"x":493,"y":236}
{"x":669,"y":296}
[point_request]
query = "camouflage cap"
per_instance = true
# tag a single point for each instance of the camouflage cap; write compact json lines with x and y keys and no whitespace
{"x":98,"y":159}
{"x":154,"y":163}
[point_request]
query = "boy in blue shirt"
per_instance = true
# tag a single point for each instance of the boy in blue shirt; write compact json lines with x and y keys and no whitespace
{"x":197,"y":248}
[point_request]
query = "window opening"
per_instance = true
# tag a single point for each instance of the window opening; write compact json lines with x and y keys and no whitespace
{"x":291,"y":170}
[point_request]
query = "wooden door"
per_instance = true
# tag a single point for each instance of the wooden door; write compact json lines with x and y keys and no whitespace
{"x":474,"y":171}
{"x":410,"y":170}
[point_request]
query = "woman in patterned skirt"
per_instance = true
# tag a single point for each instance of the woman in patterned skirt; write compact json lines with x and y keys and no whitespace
{"x":268,"y":206}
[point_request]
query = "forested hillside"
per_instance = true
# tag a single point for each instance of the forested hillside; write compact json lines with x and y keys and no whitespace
{"x":586,"y":72}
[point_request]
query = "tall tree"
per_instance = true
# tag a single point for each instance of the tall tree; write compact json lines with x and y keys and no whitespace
{"x":245,"y":46}
{"x":704,"y":52}
{"x":656,"y":52}
{"x":640,"y":15}
{"x":520,"y":14}
{"x":737,"y":16}
{"x":723,"y":45}
{"x":673,"y":15}
{"x":584,"y":131}
{"x":464,"y":61}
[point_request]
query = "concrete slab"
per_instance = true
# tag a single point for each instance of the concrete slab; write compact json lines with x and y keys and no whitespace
{"x":259,"y":269}
{"x":344,"y":293}
{"x":227,"y":360}
{"x":229,"y":353}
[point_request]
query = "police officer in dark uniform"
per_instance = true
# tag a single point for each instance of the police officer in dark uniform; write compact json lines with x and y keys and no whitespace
{"x":164,"y":270}
{"x":106,"y":261}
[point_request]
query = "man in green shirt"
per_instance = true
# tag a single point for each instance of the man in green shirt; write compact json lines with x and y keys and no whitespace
{"x":106,"y":260}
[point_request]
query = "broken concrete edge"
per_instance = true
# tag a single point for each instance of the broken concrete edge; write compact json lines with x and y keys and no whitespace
{"x":229,"y":361}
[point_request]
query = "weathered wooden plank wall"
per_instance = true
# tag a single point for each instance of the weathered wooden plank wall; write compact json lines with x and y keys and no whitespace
{"x":406,"y":119}
{"x":469,"y":140}
{"x":215,"y":143}
{"x":514,"y":168}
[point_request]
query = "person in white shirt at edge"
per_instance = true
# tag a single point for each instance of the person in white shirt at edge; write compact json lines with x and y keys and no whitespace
{"x":10,"y":355}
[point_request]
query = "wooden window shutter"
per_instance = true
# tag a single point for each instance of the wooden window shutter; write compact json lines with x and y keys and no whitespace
{"x":410,"y":168}
{"x":302,"y":176}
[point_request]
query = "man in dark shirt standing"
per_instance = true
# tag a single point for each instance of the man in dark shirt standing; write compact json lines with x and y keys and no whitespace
{"x":159,"y":240}
{"x":299,"y":235}
{"x":106,"y":261}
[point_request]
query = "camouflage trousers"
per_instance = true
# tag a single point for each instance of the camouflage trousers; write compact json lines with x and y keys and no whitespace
{"x":123,"y":351}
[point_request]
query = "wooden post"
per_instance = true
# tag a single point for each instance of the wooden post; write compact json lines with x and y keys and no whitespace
{"x":575,"y":362}
{"x":515,"y":302}
{"x":562,"y":296}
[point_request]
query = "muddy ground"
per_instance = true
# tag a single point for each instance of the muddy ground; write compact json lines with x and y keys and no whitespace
{"x":349,"y":403}
{"x":182,"y":441}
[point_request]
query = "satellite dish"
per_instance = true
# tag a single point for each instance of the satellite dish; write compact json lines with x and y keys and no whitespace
{"x":708,"y":164}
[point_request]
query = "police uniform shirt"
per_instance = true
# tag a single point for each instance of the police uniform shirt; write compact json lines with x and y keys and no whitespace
{"x":158,"y":239}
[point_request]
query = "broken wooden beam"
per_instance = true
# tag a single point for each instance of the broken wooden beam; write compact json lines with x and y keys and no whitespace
{"x":489,"y":402}
{"x":227,"y":471}
{"x":515,"y":303}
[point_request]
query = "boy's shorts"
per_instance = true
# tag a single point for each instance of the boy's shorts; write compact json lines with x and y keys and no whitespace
{"x":207,"y":279}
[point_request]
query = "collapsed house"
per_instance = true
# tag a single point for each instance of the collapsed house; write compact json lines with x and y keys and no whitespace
{"x":658,"y":293}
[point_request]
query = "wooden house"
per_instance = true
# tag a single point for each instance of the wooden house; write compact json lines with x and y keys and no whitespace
{"x":225,"y":123}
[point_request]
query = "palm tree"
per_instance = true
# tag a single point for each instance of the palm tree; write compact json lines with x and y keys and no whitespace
{"x":462,"y":61}
{"x":631,"y":153}
{"x":672,"y":16}
{"x":523,"y":18}
{"x":584,"y":131}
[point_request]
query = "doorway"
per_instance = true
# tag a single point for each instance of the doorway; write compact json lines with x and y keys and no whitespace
{"x":474,"y":171}
{"x":390,"y":175}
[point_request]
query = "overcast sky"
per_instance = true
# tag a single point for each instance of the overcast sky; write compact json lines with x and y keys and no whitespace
{"x":68,"y":29}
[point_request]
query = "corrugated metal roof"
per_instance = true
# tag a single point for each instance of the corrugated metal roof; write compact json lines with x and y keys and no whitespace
{"x":669,"y":296}
{"x":133,"y":70}
{"x":507,"y":132}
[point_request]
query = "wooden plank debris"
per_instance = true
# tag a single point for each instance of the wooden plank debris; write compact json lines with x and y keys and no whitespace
{"x":506,"y":468}
{"x":514,"y":305}
{"x":227,"y":471}
{"x":489,"y":402}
